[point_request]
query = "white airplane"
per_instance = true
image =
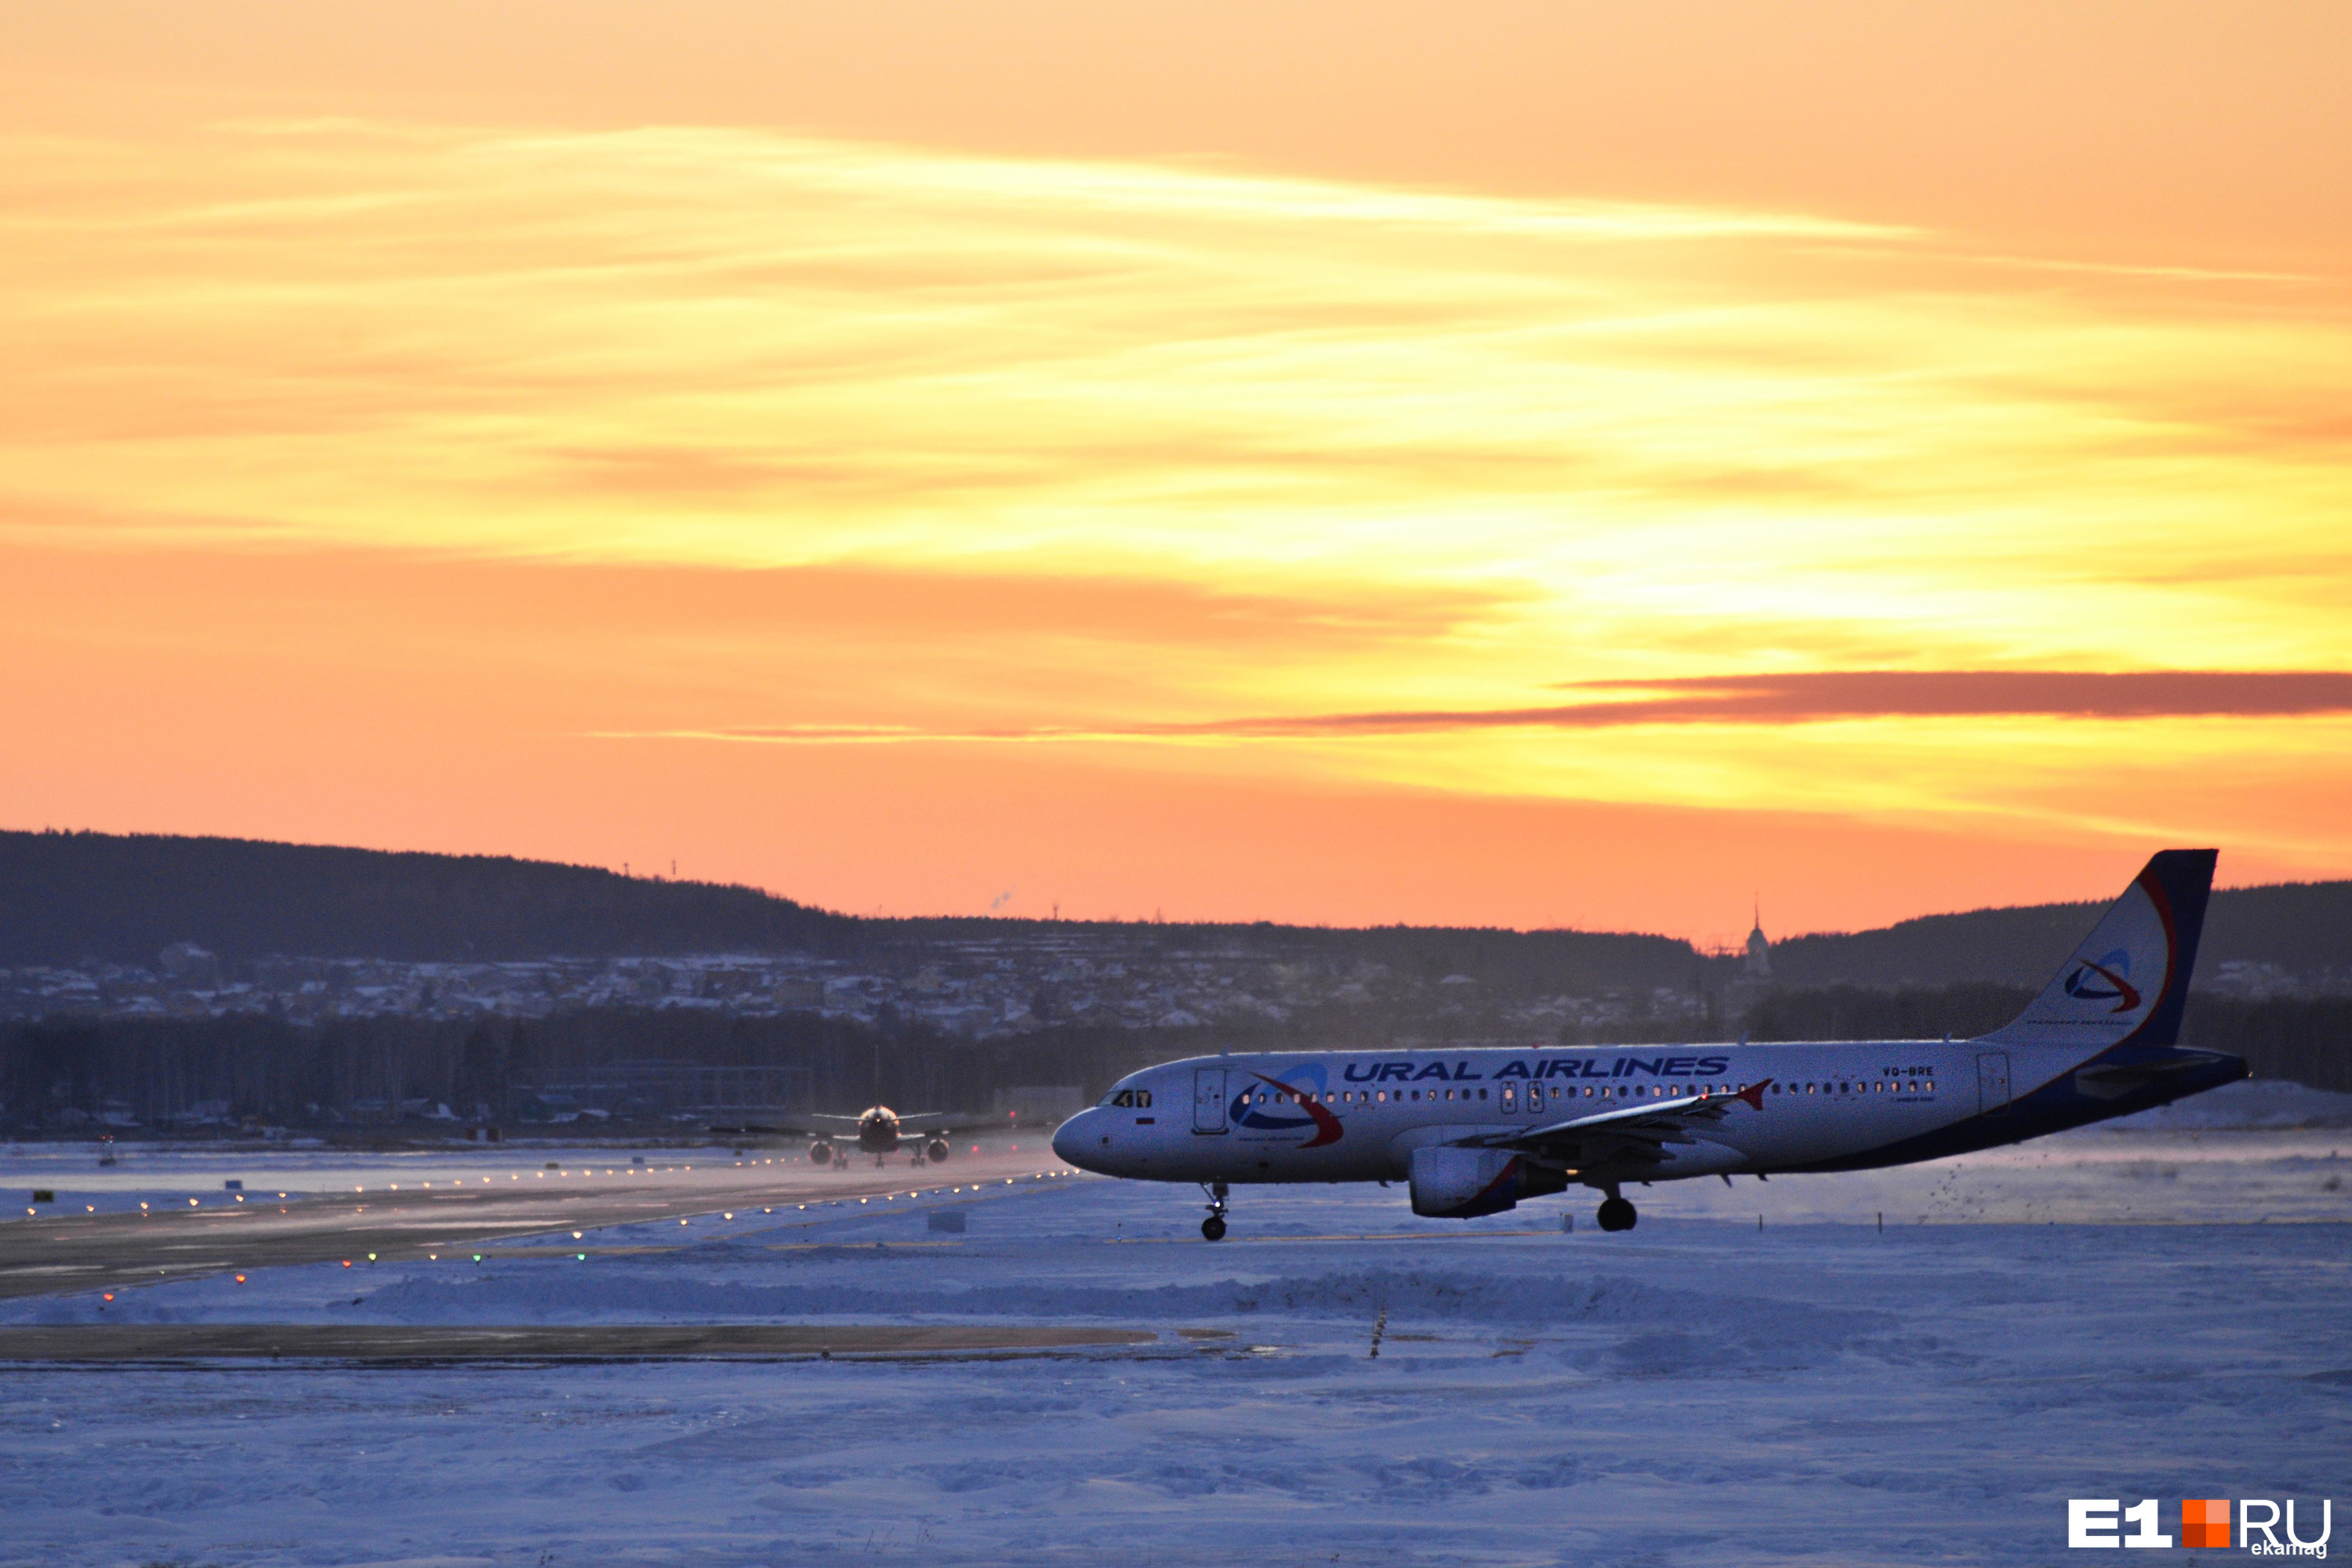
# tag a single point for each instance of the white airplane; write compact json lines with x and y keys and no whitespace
{"x":878,"y":1130}
{"x":1473,"y":1132}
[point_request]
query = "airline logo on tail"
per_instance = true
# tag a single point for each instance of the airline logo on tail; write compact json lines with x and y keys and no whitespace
{"x":2108,"y":979}
{"x":2118,"y":977}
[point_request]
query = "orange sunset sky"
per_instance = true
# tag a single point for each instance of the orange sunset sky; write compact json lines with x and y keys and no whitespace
{"x":1526,"y":464}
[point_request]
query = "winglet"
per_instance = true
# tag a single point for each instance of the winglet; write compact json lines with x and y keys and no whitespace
{"x":1754,"y":1093}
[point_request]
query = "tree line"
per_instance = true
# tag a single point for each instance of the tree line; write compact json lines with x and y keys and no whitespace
{"x":71,"y":1073}
{"x":65,"y":1073}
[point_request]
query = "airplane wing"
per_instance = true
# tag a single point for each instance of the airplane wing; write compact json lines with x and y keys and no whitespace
{"x":1629,"y":1134}
{"x":819,"y":1126}
{"x":806,"y":1127}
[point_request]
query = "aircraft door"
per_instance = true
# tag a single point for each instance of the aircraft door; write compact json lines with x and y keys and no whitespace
{"x":1992,"y":1081}
{"x":1208,"y":1100}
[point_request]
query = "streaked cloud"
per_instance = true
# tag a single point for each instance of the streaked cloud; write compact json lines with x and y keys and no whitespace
{"x":1179,"y":470}
{"x":1793,"y":698}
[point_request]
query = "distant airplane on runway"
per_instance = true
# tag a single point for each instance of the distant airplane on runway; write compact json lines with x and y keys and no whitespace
{"x":1473,"y":1132}
{"x":878,"y":1130}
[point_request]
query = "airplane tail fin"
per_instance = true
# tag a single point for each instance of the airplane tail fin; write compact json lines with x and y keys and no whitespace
{"x":2128,"y":981}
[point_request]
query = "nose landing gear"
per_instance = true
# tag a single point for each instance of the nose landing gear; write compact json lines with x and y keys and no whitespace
{"x":1213,"y":1227}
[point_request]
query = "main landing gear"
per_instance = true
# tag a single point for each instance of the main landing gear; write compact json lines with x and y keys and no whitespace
{"x":1617,"y":1213}
{"x":1213,"y":1227}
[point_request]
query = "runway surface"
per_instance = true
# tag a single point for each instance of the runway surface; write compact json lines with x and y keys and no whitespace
{"x":408,"y":1344}
{"x":49,"y":1256}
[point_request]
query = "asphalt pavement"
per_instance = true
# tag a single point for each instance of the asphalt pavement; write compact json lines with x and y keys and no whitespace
{"x":54,"y":1255}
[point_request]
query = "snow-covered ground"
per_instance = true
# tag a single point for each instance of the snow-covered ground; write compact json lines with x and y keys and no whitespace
{"x":2146,"y":1312}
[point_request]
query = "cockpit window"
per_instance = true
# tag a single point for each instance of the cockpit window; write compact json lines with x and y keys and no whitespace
{"x":1142,"y":1100}
{"x":1124,"y":1097}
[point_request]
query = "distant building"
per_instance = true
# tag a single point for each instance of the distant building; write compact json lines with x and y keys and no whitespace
{"x":1038,"y":1105}
{"x":802,"y":991}
{"x":188,"y":963}
{"x":1757,"y":966}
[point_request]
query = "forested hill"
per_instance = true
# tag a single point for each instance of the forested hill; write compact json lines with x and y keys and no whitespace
{"x":2305,"y":928}
{"x":69,"y":897}
{"x":66,"y":897}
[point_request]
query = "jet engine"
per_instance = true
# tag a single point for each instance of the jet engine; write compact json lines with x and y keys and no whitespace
{"x":820,"y":1152}
{"x":937,"y":1149}
{"x":1451,"y":1183}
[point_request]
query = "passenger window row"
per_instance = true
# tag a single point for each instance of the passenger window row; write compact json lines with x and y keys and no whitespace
{"x":1534,"y":1094}
{"x":1140,"y":1099}
{"x":1857,"y":1086}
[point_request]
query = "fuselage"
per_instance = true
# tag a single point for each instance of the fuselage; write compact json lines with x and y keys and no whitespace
{"x":878,"y":1130}
{"x":1357,"y":1116}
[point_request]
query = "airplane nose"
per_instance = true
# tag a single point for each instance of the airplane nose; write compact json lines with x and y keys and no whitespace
{"x":1069,"y":1140}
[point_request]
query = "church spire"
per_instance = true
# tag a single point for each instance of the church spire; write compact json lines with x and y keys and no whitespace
{"x":1759,"y":964}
